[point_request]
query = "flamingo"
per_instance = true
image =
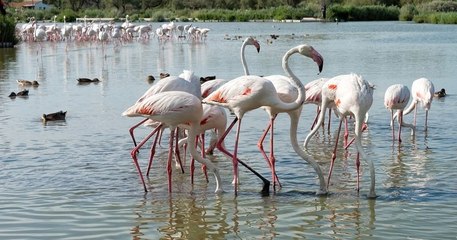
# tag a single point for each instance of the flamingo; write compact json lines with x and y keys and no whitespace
{"x":247,"y":93}
{"x":173,"y":108}
{"x":287,"y":92}
{"x":396,"y":98}
{"x":186,"y":82}
{"x":349,"y":95}
{"x":422,"y":92}
{"x":210,"y":86}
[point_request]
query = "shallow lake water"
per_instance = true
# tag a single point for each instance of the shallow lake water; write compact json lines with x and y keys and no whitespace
{"x":76,"y":180}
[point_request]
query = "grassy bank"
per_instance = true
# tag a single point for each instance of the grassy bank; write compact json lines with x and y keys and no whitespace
{"x":442,"y":12}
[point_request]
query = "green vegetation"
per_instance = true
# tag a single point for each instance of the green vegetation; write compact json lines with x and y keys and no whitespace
{"x":7,"y":32}
{"x":421,"y":11}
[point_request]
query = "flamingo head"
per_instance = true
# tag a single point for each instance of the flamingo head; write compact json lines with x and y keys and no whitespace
{"x":310,"y":52}
{"x":253,"y":41}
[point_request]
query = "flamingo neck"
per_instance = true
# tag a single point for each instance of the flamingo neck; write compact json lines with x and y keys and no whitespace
{"x":294,"y":118}
{"x":243,"y":59}
{"x":301,"y":89}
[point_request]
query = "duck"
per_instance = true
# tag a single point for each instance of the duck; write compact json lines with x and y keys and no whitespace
{"x":150,"y":79}
{"x":88,"y":80}
{"x":164,"y":75}
{"x":207,"y":78}
{"x":441,"y":93}
{"x":27,"y":83}
{"x":23,"y":93}
{"x":57,"y":116}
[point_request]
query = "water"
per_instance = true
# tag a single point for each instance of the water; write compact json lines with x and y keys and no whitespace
{"x":75,"y":179}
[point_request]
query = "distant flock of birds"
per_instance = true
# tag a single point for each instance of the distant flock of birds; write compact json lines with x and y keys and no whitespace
{"x":184,"y":103}
{"x":92,"y":31}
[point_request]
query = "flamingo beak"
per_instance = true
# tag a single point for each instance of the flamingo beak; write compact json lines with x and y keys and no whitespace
{"x":257,"y":46}
{"x":318,"y":59}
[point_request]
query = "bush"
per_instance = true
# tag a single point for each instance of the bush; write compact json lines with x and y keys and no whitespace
{"x":7,"y":32}
{"x":364,"y":13}
{"x":407,"y":12}
{"x":439,"y":6}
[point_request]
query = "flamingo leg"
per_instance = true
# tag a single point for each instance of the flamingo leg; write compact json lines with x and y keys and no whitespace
{"x":170,"y":157}
{"x":133,"y":128}
{"x":135,"y":159}
{"x":357,"y":165}
{"x":392,"y":123}
{"x":235,"y":157}
{"x":426,"y":120}
{"x":400,"y":123}
{"x":318,"y":111}
{"x":262,"y":151}
{"x":329,"y":118}
{"x":346,"y":131}
{"x":152,"y":153}
{"x":266,"y":184}
{"x":272,"y":156}
{"x":178,"y":155}
{"x":204,"y":156}
{"x":364,"y":127}
{"x":334,"y":152}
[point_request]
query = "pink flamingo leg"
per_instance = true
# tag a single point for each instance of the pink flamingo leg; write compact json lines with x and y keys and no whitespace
{"x":152,"y":152}
{"x":268,"y":159}
{"x":426,"y":119}
{"x":400,"y":122}
{"x":364,"y":127}
{"x":219,"y":145}
{"x":346,"y":132}
{"x":334,"y":153}
{"x":178,"y":156}
{"x":135,"y":159}
{"x":329,"y":118}
{"x":357,"y":164}
{"x":392,"y":124}
{"x":272,"y":156}
{"x":204,"y":156}
{"x":133,"y":128}
{"x":170,"y":157}
{"x":318,"y":111}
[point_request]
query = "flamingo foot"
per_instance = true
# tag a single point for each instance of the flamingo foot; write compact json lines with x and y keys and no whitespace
{"x":265,"y":189}
{"x":322,"y":192}
{"x":372,"y":195}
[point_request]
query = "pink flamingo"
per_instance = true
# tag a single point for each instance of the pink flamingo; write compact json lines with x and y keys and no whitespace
{"x":422,"y":92}
{"x":210,"y":86}
{"x":247,"y":93}
{"x":186,"y":82}
{"x":287,"y":92}
{"x":172,"y":108}
{"x":396,"y":98}
{"x":351,"y":95}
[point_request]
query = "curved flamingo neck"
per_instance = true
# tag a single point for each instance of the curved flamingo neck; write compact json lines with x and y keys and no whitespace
{"x":243,"y":58}
{"x":285,"y":65}
{"x":294,"y":118}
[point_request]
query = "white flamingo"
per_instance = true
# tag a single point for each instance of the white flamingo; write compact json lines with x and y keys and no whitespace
{"x":349,"y":95}
{"x":395,"y":99}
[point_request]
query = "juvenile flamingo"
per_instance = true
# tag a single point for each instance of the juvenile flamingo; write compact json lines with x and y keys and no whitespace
{"x":396,"y":98}
{"x":172,"y":108}
{"x":422,"y":92}
{"x":351,"y":95}
{"x":247,"y":93}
